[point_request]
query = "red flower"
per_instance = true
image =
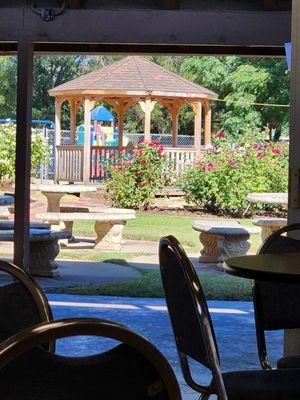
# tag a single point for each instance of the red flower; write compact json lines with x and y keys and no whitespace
{"x":111,"y":154}
{"x":256,"y":146}
{"x":261,"y":154}
{"x":221,"y":134}
{"x":119,"y":168}
{"x":127,"y":163}
{"x":142,"y":140}
{"x":233,"y":164}
{"x":160,"y":149}
{"x":141,"y":184}
{"x":276,"y":151}
{"x":136,"y":173}
{"x":139,"y":153}
{"x":209,"y":166}
{"x":143,"y":161}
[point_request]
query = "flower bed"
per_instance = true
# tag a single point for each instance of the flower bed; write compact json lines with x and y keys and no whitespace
{"x":224,"y":178}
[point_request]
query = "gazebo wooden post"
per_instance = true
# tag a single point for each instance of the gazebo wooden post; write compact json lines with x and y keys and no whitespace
{"x":147,"y":127}
{"x":207,"y":128}
{"x":87,"y":138}
{"x":58,"y":104}
{"x":120,"y":115}
{"x":73,"y":114}
{"x":197,"y":107}
{"x":175,"y":115}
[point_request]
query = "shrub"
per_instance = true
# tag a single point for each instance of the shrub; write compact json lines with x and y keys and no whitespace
{"x":134,"y":181}
{"x":223,"y":180}
{"x":40,"y":151}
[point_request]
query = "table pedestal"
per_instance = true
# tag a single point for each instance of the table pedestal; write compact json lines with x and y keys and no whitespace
{"x":42,"y":258}
{"x":109,"y":235}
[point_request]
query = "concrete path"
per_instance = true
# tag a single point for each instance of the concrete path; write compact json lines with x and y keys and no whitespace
{"x":233,"y":321}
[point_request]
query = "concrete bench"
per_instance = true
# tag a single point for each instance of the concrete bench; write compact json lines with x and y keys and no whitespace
{"x":223,"y":239}
{"x":44,"y":248}
{"x":269,"y":225}
{"x":108,"y":225}
{"x":5,"y":201}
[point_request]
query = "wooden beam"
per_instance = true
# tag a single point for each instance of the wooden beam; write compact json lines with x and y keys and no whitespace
{"x":171,"y":4}
{"x":292,"y":337}
{"x":172,"y":27}
{"x":270,"y":5}
{"x":74,"y":4}
{"x":23,"y":152}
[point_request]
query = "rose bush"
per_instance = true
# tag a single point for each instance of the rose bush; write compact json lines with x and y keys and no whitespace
{"x":40,"y":151}
{"x":222,"y":181}
{"x":134,"y":180}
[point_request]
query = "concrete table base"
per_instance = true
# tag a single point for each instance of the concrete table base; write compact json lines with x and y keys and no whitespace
{"x":109,"y":235}
{"x":222,"y":240}
{"x":42,"y":258}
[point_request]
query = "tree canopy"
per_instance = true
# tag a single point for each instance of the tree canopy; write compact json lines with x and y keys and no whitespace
{"x":239,"y":81}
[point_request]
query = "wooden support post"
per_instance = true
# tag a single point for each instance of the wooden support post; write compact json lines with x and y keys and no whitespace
{"x":292,"y":337}
{"x":87,"y":136}
{"x":58,"y":104}
{"x":207,"y":129}
{"x":120,"y":128}
{"x":175,"y":115}
{"x":197,"y":107}
{"x":147,"y":127}
{"x":23,"y":153}
{"x":73,"y":114}
{"x":147,"y":106}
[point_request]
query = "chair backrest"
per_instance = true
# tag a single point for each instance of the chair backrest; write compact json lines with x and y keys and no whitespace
{"x":189,"y":314}
{"x":133,"y":370}
{"x":274,"y":303}
{"x":22,"y":301}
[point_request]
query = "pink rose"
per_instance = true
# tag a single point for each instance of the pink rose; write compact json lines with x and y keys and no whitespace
{"x":209,"y":166}
{"x":256,"y":146}
{"x":276,"y":151}
{"x":143,"y":162}
{"x":261,"y":154}
{"x":160,"y":149}
{"x":111,"y":155}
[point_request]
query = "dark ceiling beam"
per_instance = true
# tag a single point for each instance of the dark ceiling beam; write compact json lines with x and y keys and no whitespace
{"x":171,"y":4}
{"x":153,"y":27}
{"x":270,"y":5}
{"x":74,"y":4}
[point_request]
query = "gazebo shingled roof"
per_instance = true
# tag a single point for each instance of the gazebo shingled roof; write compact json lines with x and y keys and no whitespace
{"x":134,"y":75}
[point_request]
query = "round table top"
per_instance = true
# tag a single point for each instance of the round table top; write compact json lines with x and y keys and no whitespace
{"x":223,"y":228}
{"x":269,"y":221}
{"x":283,"y":267}
{"x":268,"y":198}
{"x":6,"y":200}
{"x":64,"y":188}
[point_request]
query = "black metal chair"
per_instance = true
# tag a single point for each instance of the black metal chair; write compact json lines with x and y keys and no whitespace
{"x":195,"y":338}
{"x":22,"y":301}
{"x":275,"y":303}
{"x":133,"y":370}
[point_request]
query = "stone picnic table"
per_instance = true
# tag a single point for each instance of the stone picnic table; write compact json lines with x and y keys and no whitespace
{"x":269,"y":225}
{"x":54,"y":193}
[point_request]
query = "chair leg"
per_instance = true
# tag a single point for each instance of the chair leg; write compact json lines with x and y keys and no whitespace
{"x":204,"y":397}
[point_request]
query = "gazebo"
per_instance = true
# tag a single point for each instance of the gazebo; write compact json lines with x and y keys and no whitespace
{"x":122,"y":84}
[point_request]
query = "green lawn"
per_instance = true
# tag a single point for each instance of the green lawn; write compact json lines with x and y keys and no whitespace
{"x":153,"y":227}
{"x":90,"y":255}
{"x":216,"y":287}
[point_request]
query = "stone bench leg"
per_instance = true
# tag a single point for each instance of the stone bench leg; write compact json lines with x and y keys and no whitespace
{"x":4,"y":213}
{"x":67,"y":226}
{"x":210,"y":252}
{"x":42,"y":258}
{"x":109,"y":235}
{"x":233,"y":246}
{"x":266,"y":231}
{"x":217,"y":249}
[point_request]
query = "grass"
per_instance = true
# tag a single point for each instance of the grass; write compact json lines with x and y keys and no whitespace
{"x":216,"y":287}
{"x":90,"y":255}
{"x":153,"y":226}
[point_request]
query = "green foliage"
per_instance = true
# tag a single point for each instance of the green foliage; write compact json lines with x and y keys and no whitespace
{"x":222,"y":181}
{"x":133,"y":182}
{"x":39,"y":151}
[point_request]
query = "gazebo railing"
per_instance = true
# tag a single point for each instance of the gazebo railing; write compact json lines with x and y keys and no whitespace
{"x":101,"y":156}
{"x":70,"y":160}
{"x":181,"y":158}
{"x":69,"y":163}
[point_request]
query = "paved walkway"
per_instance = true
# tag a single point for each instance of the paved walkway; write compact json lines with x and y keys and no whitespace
{"x":233,"y":322}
